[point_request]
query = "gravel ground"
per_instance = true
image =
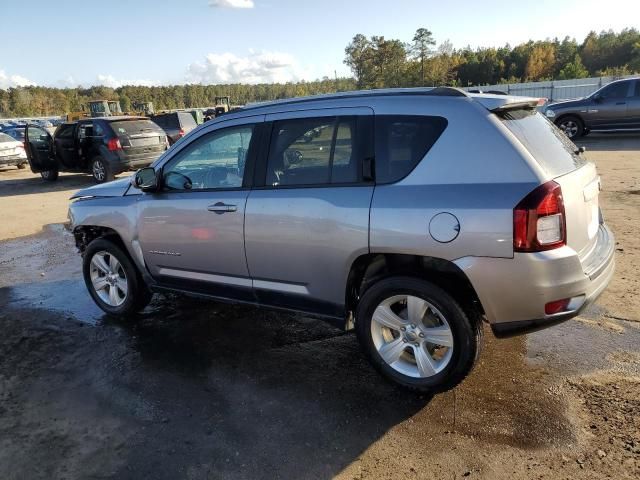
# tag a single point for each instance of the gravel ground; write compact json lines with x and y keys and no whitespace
{"x":196,"y":389}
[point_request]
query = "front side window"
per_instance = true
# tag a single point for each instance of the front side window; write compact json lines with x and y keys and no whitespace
{"x":213,"y":161}
{"x":402,"y":141}
{"x":617,"y":90}
{"x":313,"y":151}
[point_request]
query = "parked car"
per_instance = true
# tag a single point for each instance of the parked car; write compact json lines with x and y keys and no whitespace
{"x":14,"y":131}
{"x":103,"y":147}
{"x":12,"y":152}
{"x":175,"y":124}
{"x":413,"y":214}
{"x":613,"y":108}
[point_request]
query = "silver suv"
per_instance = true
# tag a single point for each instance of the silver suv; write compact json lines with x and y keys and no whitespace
{"x":412,"y":215}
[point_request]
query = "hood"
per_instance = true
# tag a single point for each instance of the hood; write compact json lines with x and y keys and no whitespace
{"x":576,"y":102}
{"x":117,"y":188}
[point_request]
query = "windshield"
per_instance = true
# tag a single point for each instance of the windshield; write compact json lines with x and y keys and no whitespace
{"x":551,"y":148}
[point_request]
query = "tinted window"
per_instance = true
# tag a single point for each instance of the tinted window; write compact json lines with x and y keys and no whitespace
{"x":97,"y":130}
{"x":637,"y":91}
{"x":65,"y":131}
{"x":216,"y":160}
{"x":549,"y":146}
{"x":616,"y":90}
{"x":402,"y":141}
{"x":186,"y":120}
{"x":128,"y":127}
{"x":313,"y":151}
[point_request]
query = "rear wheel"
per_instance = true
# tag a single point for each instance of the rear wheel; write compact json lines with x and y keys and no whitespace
{"x":100,"y":170}
{"x":417,"y":335}
{"x":22,"y":166}
{"x":113,"y":281}
{"x":572,"y":126}
{"x":49,"y":175}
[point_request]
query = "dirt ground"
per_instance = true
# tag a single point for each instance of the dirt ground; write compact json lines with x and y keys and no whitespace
{"x":195,"y":389}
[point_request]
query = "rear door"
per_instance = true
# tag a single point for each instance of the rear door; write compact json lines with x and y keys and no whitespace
{"x":38,"y":144}
{"x":65,"y":146}
{"x":307,"y":219}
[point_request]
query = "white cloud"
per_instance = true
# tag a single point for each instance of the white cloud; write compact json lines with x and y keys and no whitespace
{"x":231,"y":3}
{"x":111,"y":81}
{"x":8,"y":81}
{"x":256,"y":67}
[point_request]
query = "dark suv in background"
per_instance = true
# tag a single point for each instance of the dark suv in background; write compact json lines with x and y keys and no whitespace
{"x":614,"y":107}
{"x":175,"y":124}
{"x":103,"y":147}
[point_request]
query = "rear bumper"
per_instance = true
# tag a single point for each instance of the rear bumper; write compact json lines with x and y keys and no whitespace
{"x":514,"y":291}
{"x":123,"y":165}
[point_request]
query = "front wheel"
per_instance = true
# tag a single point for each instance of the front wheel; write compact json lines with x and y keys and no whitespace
{"x":113,"y":281}
{"x":572,"y":126}
{"x":101,"y":171}
{"x":49,"y":175}
{"x":415,"y":334}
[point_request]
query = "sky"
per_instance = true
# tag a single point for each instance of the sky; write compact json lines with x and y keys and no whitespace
{"x":66,"y":43}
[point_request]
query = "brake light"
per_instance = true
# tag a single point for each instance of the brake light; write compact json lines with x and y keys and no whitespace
{"x":181,"y":132}
{"x":539,"y":220}
{"x":114,"y":144}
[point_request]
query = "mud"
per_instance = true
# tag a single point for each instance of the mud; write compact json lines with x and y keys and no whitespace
{"x":195,"y":389}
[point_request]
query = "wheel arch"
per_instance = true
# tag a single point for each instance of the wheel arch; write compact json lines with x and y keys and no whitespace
{"x":570,"y":114}
{"x":369,"y":268}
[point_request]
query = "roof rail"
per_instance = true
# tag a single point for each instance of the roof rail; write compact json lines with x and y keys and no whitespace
{"x":381,"y":92}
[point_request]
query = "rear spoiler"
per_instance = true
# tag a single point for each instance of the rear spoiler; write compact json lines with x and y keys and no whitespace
{"x":503,"y":103}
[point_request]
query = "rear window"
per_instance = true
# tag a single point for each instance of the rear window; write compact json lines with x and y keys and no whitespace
{"x":129,"y":127}
{"x":402,"y":141}
{"x":187,"y":120}
{"x":6,"y":138}
{"x":551,"y":148}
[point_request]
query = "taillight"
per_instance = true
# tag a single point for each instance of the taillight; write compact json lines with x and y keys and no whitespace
{"x":539,"y":220}
{"x":114,"y":144}
{"x":181,"y":132}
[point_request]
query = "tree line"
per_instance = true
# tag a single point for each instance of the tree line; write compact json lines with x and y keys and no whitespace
{"x":376,"y":62}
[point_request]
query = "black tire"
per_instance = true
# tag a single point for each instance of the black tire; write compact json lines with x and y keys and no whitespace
{"x":571,"y":125}
{"x":50,"y":175}
{"x":100,"y":170}
{"x":22,"y":166}
{"x":467,"y":333}
{"x":138,"y":295}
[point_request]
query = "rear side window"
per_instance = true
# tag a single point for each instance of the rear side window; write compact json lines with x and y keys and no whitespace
{"x":129,"y":127}
{"x":551,"y":148}
{"x":637,"y":91}
{"x":313,"y":151}
{"x":402,"y":141}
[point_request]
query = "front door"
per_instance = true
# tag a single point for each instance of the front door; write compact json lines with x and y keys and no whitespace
{"x":192,"y":231}
{"x":309,"y":220}
{"x":39,"y":147}
{"x":633,"y":107}
{"x":609,"y":108}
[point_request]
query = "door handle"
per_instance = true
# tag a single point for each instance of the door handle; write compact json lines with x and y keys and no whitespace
{"x":221,"y":208}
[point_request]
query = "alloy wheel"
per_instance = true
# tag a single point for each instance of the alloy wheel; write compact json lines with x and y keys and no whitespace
{"x":412,"y":336}
{"x":98,"y":170}
{"x":569,"y":127}
{"x":108,"y":278}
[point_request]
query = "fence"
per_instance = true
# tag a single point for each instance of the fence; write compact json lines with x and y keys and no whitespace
{"x":552,"y":89}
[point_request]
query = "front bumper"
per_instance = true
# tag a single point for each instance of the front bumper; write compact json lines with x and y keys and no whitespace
{"x":514,"y":291}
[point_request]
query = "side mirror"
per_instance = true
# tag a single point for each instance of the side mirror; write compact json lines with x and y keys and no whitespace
{"x":146,"y":179}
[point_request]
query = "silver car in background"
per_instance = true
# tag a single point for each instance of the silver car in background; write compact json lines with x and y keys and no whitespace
{"x":12,"y":152}
{"x":411,"y":215}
